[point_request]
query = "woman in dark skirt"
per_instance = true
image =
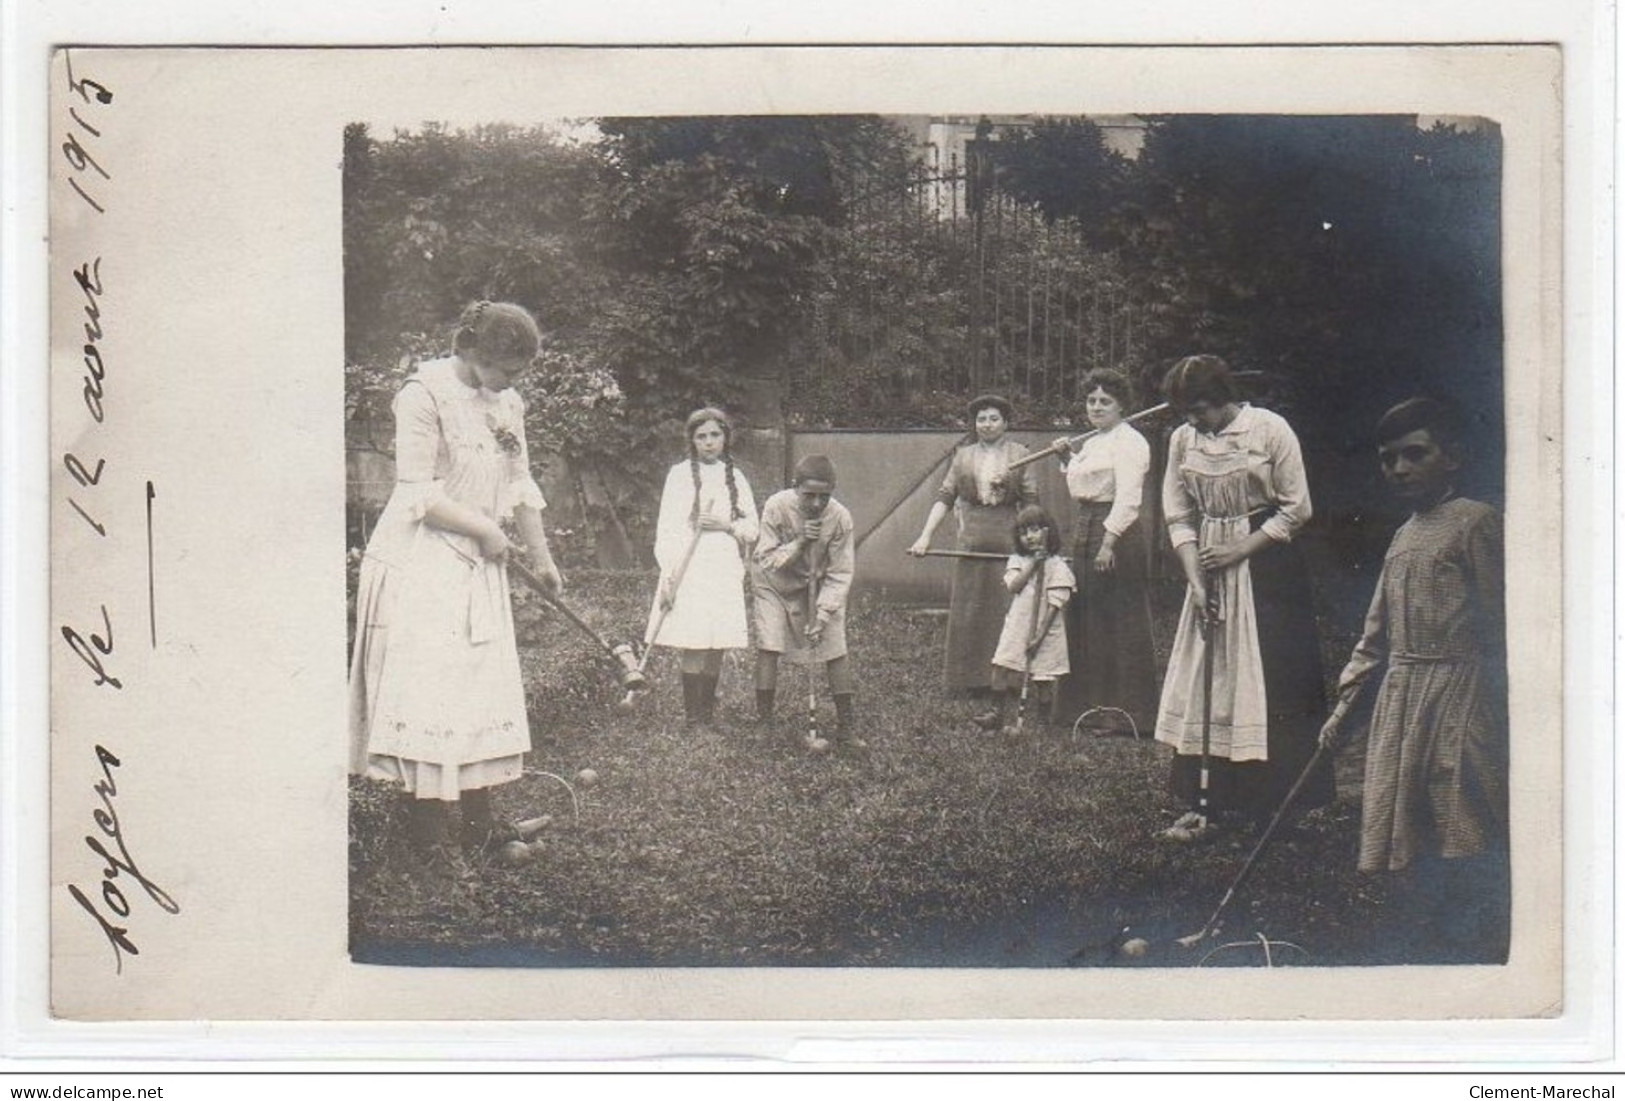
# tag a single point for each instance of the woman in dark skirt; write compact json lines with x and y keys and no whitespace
{"x":985,"y":496}
{"x":1113,"y":682}
{"x":1235,"y":494}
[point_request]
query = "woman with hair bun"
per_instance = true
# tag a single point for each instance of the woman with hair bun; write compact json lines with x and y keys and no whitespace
{"x":1235,"y":494}
{"x":436,"y":701}
{"x":707,"y":523}
{"x":984,"y":497}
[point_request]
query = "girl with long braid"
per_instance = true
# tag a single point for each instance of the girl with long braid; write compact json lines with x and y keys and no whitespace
{"x":707,"y":523}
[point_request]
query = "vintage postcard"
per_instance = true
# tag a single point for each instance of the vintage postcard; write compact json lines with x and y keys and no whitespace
{"x":799,"y":533}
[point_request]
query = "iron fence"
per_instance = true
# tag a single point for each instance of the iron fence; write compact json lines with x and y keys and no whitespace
{"x":940,"y":285}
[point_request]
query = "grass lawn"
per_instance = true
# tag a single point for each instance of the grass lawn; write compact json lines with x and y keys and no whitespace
{"x":941,"y":846}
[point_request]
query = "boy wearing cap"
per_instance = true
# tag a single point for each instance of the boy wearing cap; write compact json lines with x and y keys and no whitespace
{"x":801,"y":573}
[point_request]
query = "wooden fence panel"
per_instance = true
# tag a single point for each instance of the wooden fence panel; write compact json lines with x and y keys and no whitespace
{"x":875,"y":468}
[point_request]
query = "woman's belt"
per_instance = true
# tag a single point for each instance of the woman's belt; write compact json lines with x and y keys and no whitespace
{"x":1261,"y":513}
{"x":1429,"y":659}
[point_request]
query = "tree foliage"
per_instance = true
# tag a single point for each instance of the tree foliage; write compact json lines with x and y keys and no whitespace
{"x":1350,"y":260}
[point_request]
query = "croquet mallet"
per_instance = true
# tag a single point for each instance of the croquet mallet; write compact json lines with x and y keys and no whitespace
{"x":628,"y":672}
{"x":659,"y":621}
{"x":1074,"y":441}
{"x":1196,"y":824}
{"x":985,"y":555}
{"x":815,"y":743}
{"x":1036,"y":580}
{"x":1210,"y":616}
{"x":1252,"y":858}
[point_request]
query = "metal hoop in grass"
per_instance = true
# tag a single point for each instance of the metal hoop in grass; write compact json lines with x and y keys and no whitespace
{"x":1259,"y":940}
{"x":1132,"y":725}
{"x":575,"y":804}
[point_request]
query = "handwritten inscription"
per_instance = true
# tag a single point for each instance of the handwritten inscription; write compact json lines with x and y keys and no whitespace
{"x":88,"y":173}
{"x":91,"y":495}
{"x":93,"y":651}
{"x":112,"y":905}
{"x":89,"y":278}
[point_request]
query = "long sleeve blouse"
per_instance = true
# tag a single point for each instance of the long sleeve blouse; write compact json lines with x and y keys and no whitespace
{"x":1440,"y":598}
{"x":1112,"y":466}
{"x":460,"y":442}
{"x":1258,"y":443}
{"x":972,"y":473}
{"x":783,"y":558}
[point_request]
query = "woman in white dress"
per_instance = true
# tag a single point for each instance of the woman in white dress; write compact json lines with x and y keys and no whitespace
{"x":436,"y":700}
{"x":707,"y":524}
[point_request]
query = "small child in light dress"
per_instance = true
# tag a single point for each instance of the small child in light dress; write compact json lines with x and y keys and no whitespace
{"x":1032,"y":645}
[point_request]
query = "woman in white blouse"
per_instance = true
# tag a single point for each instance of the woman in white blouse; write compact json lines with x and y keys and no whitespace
{"x":1113,"y":681}
{"x":1235,"y":495}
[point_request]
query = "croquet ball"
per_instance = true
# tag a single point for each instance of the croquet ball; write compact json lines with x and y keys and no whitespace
{"x":586,"y":777}
{"x":625,"y":706}
{"x":515,"y":852}
{"x":536,"y":848}
{"x":1134,"y":947}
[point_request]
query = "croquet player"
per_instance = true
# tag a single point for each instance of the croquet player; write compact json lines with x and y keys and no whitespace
{"x":706,"y":526}
{"x":437,"y":700}
{"x":1435,"y":799}
{"x":804,"y":556}
{"x":1032,"y":645}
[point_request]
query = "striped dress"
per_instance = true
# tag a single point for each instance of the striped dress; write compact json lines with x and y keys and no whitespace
{"x":1436,"y":764}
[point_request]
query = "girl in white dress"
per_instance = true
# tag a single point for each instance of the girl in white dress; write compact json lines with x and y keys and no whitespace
{"x":707,"y":523}
{"x":436,"y":700}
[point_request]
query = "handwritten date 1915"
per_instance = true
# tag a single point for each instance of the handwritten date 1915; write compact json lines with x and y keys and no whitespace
{"x":114,"y":903}
{"x":76,"y":148}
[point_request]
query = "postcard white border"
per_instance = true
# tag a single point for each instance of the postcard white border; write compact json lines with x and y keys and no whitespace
{"x":1586,"y":473}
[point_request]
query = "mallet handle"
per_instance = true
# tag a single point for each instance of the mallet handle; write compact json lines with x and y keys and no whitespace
{"x":1258,"y":847}
{"x":1036,"y":580}
{"x":1210,"y":617}
{"x":988,"y":555}
{"x":524,"y":574}
{"x":1074,"y":441}
{"x":676,"y":580}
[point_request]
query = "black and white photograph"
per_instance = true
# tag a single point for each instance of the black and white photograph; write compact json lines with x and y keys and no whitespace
{"x":952,"y":536}
{"x":927,"y":541}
